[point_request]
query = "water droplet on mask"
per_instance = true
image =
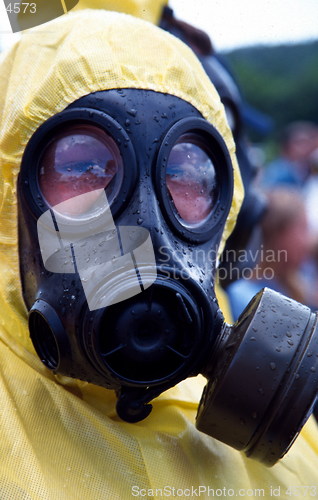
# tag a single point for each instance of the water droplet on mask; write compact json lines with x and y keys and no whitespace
{"x":272,"y":366}
{"x":140,"y":220}
{"x":132,"y":112}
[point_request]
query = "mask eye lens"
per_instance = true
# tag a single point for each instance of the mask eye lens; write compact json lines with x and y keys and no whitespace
{"x":191,"y":180}
{"x":80,"y":159}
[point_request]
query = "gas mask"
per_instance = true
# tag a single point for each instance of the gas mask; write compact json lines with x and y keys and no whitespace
{"x":123,"y":198}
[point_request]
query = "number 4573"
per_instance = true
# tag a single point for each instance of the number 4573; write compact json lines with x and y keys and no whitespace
{"x":22,"y":7}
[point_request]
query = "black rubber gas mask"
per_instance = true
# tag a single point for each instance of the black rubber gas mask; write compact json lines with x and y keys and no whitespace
{"x":123,"y":198}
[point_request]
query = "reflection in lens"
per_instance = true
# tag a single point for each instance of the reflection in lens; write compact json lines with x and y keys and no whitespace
{"x":191,"y":180}
{"x":80,"y":159}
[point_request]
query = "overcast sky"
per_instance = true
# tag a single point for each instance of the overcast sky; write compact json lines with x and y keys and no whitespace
{"x":234,"y":23}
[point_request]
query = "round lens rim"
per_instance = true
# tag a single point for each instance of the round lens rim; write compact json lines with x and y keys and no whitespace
{"x":215,"y":147}
{"x":87,"y":130}
{"x":28,"y":181}
{"x":190,"y":138}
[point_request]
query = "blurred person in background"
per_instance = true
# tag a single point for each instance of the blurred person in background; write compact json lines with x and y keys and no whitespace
{"x":285,"y":247}
{"x":292,"y":167}
{"x":310,"y":194}
{"x":311,"y":189}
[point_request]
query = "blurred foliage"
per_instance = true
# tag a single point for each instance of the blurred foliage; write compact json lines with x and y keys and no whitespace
{"x":281,"y":81}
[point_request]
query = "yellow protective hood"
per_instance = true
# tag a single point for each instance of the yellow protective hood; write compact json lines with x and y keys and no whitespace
{"x":149,"y":10}
{"x":55,"y":64}
{"x":65,"y":441}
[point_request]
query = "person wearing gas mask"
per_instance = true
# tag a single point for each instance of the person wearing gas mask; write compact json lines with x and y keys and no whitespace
{"x":119,"y":187}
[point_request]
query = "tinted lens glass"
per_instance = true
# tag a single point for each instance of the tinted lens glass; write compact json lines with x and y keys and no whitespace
{"x":191,"y":179}
{"x":80,"y":159}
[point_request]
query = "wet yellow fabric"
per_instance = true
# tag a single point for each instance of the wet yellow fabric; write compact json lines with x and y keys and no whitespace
{"x":61,"y":438}
{"x":149,"y":10}
{"x":223,"y":303}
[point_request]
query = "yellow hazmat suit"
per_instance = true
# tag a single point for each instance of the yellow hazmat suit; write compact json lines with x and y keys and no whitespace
{"x":61,"y":439}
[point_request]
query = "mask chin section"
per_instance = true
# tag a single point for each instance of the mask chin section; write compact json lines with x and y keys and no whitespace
{"x":146,"y":344}
{"x":49,"y":338}
{"x":263,"y":384}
